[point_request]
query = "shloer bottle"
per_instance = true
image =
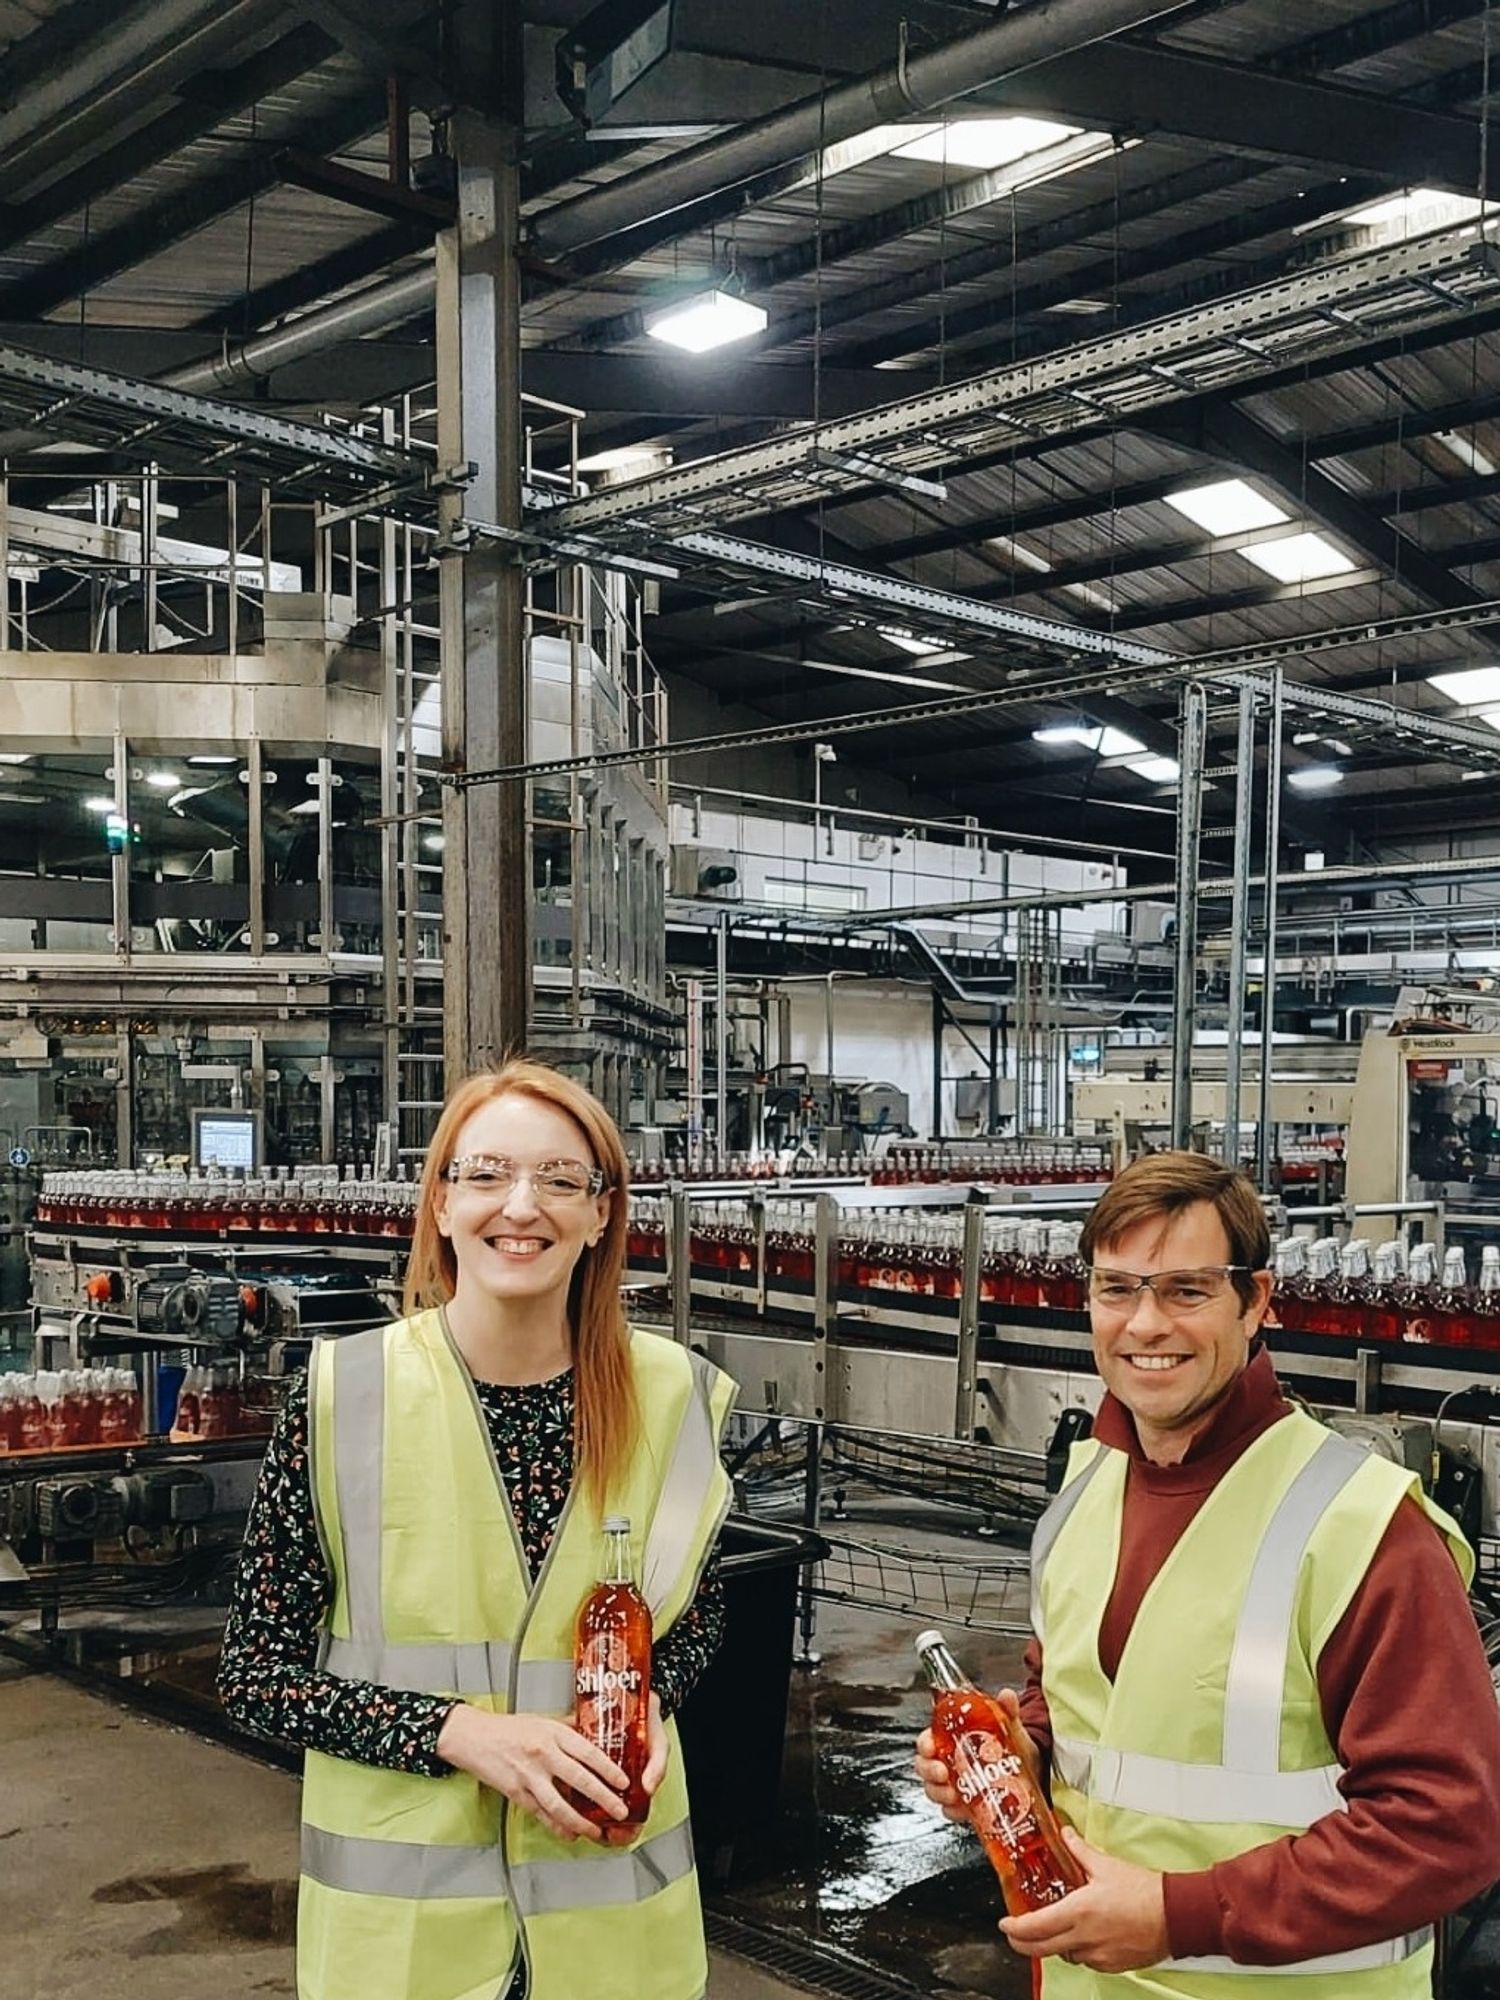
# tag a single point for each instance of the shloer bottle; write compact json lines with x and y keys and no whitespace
{"x":996,"y":1784}
{"x":612,"y":1680}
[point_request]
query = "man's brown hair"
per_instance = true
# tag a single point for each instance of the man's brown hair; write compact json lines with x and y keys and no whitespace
{"x":1163,"y":1185}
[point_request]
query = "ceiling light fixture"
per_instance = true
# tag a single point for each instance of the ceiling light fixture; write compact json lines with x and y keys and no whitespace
{"x":164,"y":781}
{"x":712,"y":319}
{"x":1315,"y":778}
{"x":1299,"y":558}
{"x":1227,"y":507}
{"x":99,"y":805}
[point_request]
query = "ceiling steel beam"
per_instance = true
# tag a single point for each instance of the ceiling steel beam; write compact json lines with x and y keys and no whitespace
{"x":149,"y":51}
{"x":317,"y":281}
{"x":207,"y":99}
{"x":1239,"y":107}
{"x":182,"y":213}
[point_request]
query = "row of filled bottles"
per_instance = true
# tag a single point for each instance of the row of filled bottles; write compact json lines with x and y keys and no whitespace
{"x":57,"y":1407}
{"x":1387,"y":1293}
{"x":211,"y":1404}
{"x":1351,"y":1290}
{"x":1016,"y":1163}
{"x":281,"y":1201}
{"x":914,"y":1250}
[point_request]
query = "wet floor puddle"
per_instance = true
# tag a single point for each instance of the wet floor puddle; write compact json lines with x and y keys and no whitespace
{"x":222,"y":1909}
{"x":858,"y":1858}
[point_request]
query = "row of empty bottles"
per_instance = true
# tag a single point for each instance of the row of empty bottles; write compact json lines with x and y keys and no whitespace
{"x":1019,"y":1163}
{"x":58,"y":1407}
{"x":211,"y":1404}
{"x":281,"y":1201}
{"x":1386,"y":1292}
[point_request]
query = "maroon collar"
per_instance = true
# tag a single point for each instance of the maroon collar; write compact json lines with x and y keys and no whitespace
{"x":1251,"y":1405}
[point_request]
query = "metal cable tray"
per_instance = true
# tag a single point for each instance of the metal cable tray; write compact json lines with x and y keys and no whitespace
{"x":189,"y":434}
{"x":1326,"y":310}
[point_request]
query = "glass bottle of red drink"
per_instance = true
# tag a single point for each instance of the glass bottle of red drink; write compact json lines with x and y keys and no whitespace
{"x":1455,"y":1310}
{"x":1351,"y":1295}
{"x":1322,"y":1313}
{"x":1486,"y":1317}
{"x":998,"y":1786}
{"x":1421,"y":1294}
{"x":1386,"y":1318}
{"x":612,"y":1680}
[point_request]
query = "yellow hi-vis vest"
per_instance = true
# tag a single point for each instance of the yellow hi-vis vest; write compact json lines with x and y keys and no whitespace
{"x":1210,"y":1741}
{"x":419,"y":1888}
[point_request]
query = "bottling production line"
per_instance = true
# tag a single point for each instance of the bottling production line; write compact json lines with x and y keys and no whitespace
{"x":1019,"y":709}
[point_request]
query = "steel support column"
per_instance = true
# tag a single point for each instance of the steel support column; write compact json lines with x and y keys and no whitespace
{"x":1239,"y":918}
{"x":486,"y":873}
{"x":1193,"y":736}
{"x":1268,"y":970}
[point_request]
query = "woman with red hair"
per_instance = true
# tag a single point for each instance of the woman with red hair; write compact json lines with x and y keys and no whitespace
{"x":428,"y":1521}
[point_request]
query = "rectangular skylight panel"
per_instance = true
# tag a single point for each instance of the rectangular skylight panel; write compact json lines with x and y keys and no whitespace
{"x":909,"y":642}
{"x":983,"y":143}
{"x":1468,"y":686}
{"x":1298,"y":558}
{"x":1160,"y":770}
{"x":1107,"y":741}
{"x":1429,"y":207}
{"x":1226,"y":507}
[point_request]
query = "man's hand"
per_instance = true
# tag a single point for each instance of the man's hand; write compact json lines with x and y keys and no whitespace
{"x":534,"y":1761}
{"x":1117,"y":1922}
{"x":937,"y":1780}
{"x":658,"y":1749}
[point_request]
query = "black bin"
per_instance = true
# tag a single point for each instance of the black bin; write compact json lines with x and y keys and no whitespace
{"x":734,"y":1723}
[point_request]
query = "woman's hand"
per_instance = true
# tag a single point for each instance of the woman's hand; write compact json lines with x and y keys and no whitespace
{"x":658,"y":1749}
{"x":937,"y":1779}
{"x":531,"y":1758}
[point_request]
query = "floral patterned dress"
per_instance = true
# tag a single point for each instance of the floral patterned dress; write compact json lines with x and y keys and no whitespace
{"x":269,"y":1679}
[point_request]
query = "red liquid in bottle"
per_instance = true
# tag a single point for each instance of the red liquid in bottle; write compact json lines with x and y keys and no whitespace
{"x":998,"y":1788}
{"x":612,"y":1682}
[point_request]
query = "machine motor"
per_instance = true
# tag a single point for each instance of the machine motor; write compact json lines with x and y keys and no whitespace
{"x":186,"y":1304}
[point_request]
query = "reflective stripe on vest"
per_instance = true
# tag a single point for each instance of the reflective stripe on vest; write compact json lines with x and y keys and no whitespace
{"x":1365,"y":1958}
{"x":1255,"y":1685}
{"x":675,"y":1522}
{"x":1051,"y":1526}
{"x":1201,"y":1792}
{"x":420,"y":1873}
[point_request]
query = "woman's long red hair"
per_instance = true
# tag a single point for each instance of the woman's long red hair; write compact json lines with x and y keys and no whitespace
{"x":606,"y":1417}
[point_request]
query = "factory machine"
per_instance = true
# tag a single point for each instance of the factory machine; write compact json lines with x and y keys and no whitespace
{"x":165,"y":1309}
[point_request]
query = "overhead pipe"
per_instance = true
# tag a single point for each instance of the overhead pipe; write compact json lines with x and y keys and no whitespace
{"x":251,"y":361}
{"x":912,"y":84}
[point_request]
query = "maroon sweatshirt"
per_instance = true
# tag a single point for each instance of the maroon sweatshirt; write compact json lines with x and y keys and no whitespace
{"x":1407,"y":1703}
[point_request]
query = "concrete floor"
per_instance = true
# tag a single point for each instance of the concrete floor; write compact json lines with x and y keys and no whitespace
{"x":140,"y":1862}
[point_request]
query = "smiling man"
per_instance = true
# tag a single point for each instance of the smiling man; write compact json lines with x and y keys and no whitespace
{"x":1255,"y":1674}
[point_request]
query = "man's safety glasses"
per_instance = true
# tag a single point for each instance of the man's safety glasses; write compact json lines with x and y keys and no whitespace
{"x":1176,"y":1292}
